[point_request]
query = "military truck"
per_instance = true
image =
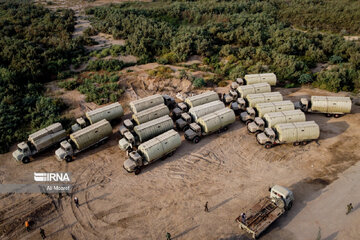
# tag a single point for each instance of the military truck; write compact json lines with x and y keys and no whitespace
{"x":194,"y":101}
{"x":144,"y":132}
{"x":151,"y":101}
{"x":152,"y":150}
{"x":39,"y":141}
{"x":296,"y":133}
{"x":252,"y":99}
{"x":269,"y":78}
{"x":261,"y":108}
{"x":83,"y":139}
{"x":205,"y":125}
{"x":331,"y":106}
{"x":195,"y":112}
{"x":266,"y":211}
{"x":244,"y":90}
{"x":109,"y":112}
{"x":143,"y":117}
{"x":270,"y":119}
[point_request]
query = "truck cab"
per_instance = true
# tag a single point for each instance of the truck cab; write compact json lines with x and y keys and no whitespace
{"x":65,"y":151}
{"x":257,"y":125}
{"x":267,"y":137}
{"x":180,"y":108}
{"x":248,"y":116}
{"x":303,"y":105}
{"x":194,"y":133}
{"x":234,"y":86}
{"x":133,"y":163}
{"x":281,"y":193}
{"x":240,"y":81}
{"x":169,"y":101}
{"x":22,"y":153}
{"x":127,"y":142}
{"x":80,"y":123}
{"x":183,"y":122}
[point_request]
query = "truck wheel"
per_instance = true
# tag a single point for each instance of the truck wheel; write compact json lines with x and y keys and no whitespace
{"x":304,"y":143}
{"x":328,"y":115}
{"x":289,"y":206}
{"x":247,"y":122}
{"x":26,"y":160}
{"x":225,"y":129}
{"x":296,"y":144}
{"x":268,"y":145}
{"x":170,"y":154}
{"x":196,"y":140}
{"x":68,"y":159}
{"x":185,"y":128}
{"x":137,"y":171}
{"x":336,"y":115}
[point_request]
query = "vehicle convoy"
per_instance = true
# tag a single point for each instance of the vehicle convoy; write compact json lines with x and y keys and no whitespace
{"x":143,"y":117}
{"x":261,"y":108}
{"x":151,"y":101}
{"x":252,"y":99}
{"x":329,"y":105}
{"x":244,"y":90}
{"x":270,"y":119}
{"x":83,"y":139}
{"x":269,"y":78}
{"x":194,"y":101}
{"x":205,"y":125}
{"x":154,"y":149}
{"x":296,"y":133}
{"x":109,"y":112}
{"x":195,"y":112}
{"x":39,"y":141}
{"x":261,"y":215}
{"x":144,"y":132}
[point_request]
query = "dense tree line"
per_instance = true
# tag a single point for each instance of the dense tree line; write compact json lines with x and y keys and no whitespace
{"x":36,"y":44}
{"x":235,"y":37}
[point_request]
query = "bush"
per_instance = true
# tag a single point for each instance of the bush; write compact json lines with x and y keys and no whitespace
{"x":199,"y":82}
{"x":305,"y":78}
{"x":161,"y":72}
{"x":69,"y":84}
{"x":108,"y":65}
{"x":335,"y":59}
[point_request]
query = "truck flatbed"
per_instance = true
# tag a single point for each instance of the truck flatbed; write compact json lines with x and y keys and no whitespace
{"x":260,"y":216}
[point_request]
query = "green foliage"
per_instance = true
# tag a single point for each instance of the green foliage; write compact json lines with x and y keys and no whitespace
{"x":341,"y":78}
{"x":335,"y":59}
{"x":108,"y":65}
{"x":305,"y":78}
{"x":36,"y":45}
{"x":101,"y":89}
{"x":161,"y":72}
{"x":199,"y":82}
{"x":69,"y":84}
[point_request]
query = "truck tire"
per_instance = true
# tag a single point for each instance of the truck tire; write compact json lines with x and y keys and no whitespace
{"x":289,"y":206}
{"x":336,"y":115}
{"x":170,"y":154}
{"x":185,"y":128}
{"x":328,"y":115}
{"x":247,"y":122}
{"x":225,"y":128}
{"x":137,"y":171}
{"x":68,"y":159}
{"x":26,"y":160}
{"x":304,"y":143}
{"x":268,"y":145}
{"x":196,"y":139}
{"x":296,"y":144}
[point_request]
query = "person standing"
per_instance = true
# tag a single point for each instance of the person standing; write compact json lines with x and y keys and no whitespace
{"x":27,"y":226}
{"x":76,"y":201}
{"x":349,"y":208}
{"x":243,"y":218}
{"x":168,"y":236}
{"x":42,"y":233}
{"x":206,"y":207}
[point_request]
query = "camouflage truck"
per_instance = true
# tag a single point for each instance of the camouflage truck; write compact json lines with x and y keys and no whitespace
{"x":83,"y":139}
{"x":270,"y":119}
{"x":269,"y":78}
{"x":252,"y":99}
{"x":296,"y":133}
{"x":331,"y":106}
{"x":109,"y":113}
{"x":39,"y":141}
{"x":261,"y":108}
{"x":196,"y":112}
{"x":214,"y":122}
{"x":164,"y":145}
{"x":144,"y":132}
{"x":194,"y":101}
{"x":266,"y":211}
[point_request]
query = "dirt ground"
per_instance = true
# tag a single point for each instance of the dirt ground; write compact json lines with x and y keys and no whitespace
{"x":229,"y":170}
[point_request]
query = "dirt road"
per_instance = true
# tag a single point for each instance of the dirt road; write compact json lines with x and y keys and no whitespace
{"x":228,"y":170}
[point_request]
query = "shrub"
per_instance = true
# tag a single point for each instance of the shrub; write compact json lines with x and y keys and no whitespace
{"x":199,"y":82}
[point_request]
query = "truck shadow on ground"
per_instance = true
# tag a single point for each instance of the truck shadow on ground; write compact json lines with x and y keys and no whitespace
{"x":188,"y":147}
{"x":304,"y":191}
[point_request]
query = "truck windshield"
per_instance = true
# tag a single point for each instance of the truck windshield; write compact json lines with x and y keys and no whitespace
{"x":20,"y":150}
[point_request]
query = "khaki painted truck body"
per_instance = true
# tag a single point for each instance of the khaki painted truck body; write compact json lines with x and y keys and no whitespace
{"x":261,"y":108}
{"x":269,"y":78}
{"x":252,"y":99}
{"x":326,"y":104}
{"x":145,"y":131}
{"x":270,"y":119}
{"x":297,"y":132}
{"x":108,"y":112}
{"x":266,"y":211}
{"x":204,"y":109}
{"x":150,"y":114}
{"x":244,"y":90}
{"x":210,"y":123}
{"x":145,"y":103}
{"x":202,"y":98}
{"x":84,"y":139}
{"x":39,"y":141}
{"x":154,"y":149}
